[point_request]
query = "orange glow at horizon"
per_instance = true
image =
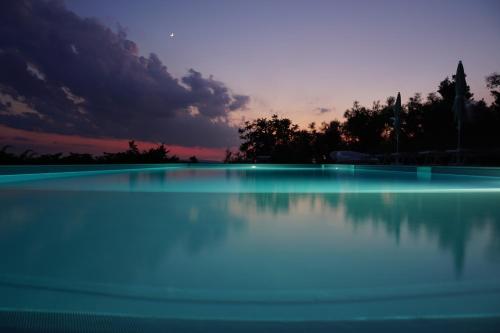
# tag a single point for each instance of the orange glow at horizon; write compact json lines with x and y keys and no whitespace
{"x":50,"y":143}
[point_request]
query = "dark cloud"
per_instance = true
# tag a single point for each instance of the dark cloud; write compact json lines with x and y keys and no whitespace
{"x":80,"y":77}
{"x":323,"y":110}
{"x":240,"y":102}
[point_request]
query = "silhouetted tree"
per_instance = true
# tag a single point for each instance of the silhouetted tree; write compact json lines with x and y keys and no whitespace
{"x":268,"y":138}
{"x":231,"y":157}
{"x":411,"y":123}
{"x":326,"y":140}
{"x":158,"y":154}
{"x":493,"y":83}
{"x":369,"y":130}
{"x":425,"y":125}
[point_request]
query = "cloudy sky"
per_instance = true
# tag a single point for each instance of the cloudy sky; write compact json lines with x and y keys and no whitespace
{"x":85,"y":75}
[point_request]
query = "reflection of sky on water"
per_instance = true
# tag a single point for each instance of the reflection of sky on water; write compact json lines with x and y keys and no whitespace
{"x":138,"y":242}
{"x":132,"y":233}
{"x":137,"y":237}
{"x":450,"y":220}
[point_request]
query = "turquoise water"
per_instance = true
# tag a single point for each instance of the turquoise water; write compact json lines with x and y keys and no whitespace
{"x":243,"y":243}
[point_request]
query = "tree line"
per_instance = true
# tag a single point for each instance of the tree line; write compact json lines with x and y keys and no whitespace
{"x":158,"y":154}
{"x":427,"y":124}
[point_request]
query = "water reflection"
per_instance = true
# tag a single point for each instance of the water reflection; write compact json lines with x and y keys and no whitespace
{"x":450,"y":219}
{"x":82,"y":234}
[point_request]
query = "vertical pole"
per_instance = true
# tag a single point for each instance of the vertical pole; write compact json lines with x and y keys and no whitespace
{"x":459,"y":144}
{"x":397,"y":148}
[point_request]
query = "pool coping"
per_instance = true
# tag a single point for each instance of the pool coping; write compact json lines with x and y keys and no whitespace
{"x":10,"y":171}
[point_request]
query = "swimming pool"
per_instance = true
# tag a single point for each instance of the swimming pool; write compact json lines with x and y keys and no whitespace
{"x":273,"y":243}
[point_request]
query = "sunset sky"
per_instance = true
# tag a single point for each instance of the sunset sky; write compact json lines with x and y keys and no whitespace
{"x":68,"y":83}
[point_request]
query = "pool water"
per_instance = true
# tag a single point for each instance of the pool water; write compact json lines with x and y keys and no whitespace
{"x":241,"y":243}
